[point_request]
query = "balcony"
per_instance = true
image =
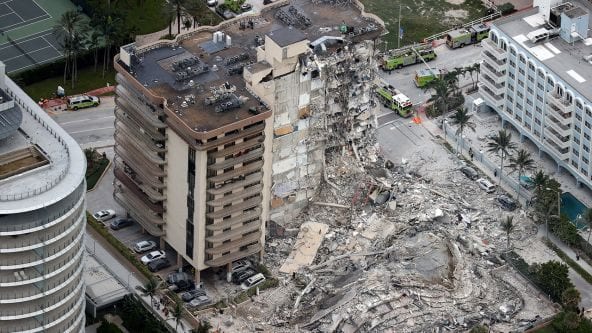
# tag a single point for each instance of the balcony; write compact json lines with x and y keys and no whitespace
{"x":139,"y":164}
{"x":559,"y":104}
{"x":496,"y":76}
{"x":131,"y":122}
{"x":498,"y":65}
{"x":495,"y":101}
{"x":140,"y":112}
{"x":126,"y":178}
{"x":138,"y":147}
{"x":149,"y":221}
{"x":233,"y":256}
{"x":251,"y":203}
{"x":154,"y":205}
{"x":145,"y":183}
{"x":141,"y":138}
{"x":236,"y":220}
{"x":236,"y":184}
{"x":495,"y":51}
{"x":234,"y":197}
{"x":235,"y":244}
{"x":251,"y":155}
{"x":236,"y":173}
{"x":238,"y":148}
{"x":560,"y":141}
{"x":36,"y":240}
{"x":492,"y":85}
{"x":235,"y":232}
{"x":552,"y":122}
{"x":562,"y":118}
{"x":560,"y":153}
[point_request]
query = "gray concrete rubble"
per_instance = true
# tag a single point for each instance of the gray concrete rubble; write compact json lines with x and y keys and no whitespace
{"x":414,"y":247}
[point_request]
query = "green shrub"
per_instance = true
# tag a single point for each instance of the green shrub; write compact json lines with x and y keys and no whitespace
{"x":107,"y":327}
{"x":121,"y":248}
{"x":506,"y":8}
{"x":234,"y":5}
{"x":93,"y":175}
{"x":136,"y":318}
{"x":581,"y":271}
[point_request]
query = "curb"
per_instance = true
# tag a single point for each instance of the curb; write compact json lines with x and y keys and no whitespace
{"x":100,"y":178}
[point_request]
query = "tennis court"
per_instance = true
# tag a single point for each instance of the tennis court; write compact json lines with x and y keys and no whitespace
{"x":26,"y":32}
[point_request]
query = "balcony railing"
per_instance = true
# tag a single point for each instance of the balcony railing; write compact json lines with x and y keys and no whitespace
{"x":236,"y":184}
{"x":143,"y":116}
{"x":557,"y":126}
{"x":234,"y":197}
{"x":236,"y":220}
{"x":238,"y":148}
{"x":142,"y":139}
{"x":126,"y":178}
{"x":251,"y":203}
{"x":235,"y":232}
{"x":561,"y":153}
{"x":36,"y":240}
{"x":496,"y":88}
{"x":150,"y":222}
{"x":497,"y":76}
{"x":233,"y":256}
{"x":133,"y":145}
{"x":236,"y":173}
{"x":235,"y":244}
{"x":152,"y":132}
{"x":142,"y":180}
{"x":497,"y":52}
{"x":560,"y":104}
{"x":253,"y":154}
{"x":138,"y":163}
{"x":126,"y":185}
{"x":497,"y":101}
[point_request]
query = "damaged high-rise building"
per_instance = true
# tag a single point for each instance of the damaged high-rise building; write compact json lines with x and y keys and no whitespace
{"x":226,"y":128}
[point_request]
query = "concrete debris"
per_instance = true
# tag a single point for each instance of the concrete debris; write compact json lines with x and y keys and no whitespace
{"x":307,"y":243}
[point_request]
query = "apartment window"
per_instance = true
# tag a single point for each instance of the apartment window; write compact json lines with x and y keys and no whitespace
{"x":540,"y":86}
{"x":539,"y":98}
{"x":537,"y":121}
{"x":577,"y":128}
{"x":584,"y":160}
{"x":522,"y":59}
{"x":550,"y":82}
{"x":578,"y":104}
{"x":511,"y":75}
{"x":587,"y":124}
{"x":513,"y":64}
{"x":584,"y":172}
{"x":574,"y":163}
{"x":518,"y":118}
{"x":529,"y":90}
{"x":538,"y":109}
{"x":537,"y":133}
{"x":529,"y":102}
{"x":587,"y":136}
{"x":541,"y":75}
{"x":527,"y":125}
{"x":576,"y":140}
{"x":588,"y":112}
{"x":521,"y":83}
{"x":530,"y":78}
{"x":510,"y":87}
{"x":578,"y":117}
{"x":519,"y":94}
{"x":577,"y":153}
{"x":521,"y":71}
{"x":510,"y":99}
{"x":189,"y":239}
{"x":528,"y":114}
{"x":512,"y":51}
{"x":586,"y":149}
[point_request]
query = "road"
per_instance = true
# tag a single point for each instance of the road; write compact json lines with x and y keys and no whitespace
{"x":402,"y":79}
{"x":92,"y":127}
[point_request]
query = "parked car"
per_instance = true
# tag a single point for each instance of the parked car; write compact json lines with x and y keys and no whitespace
{"x":245,"y":7}
{"x":267,"y":2}
{"x":506,"y":203}
{"x":212,"y":3}
{"x":240,"y":277}
{"x":144,"y":246}
{"x":173,"y":277}
{"x":191,"y":294}
{"x":486,"y":185}
{"x":469,"y":172}
{"x":253,"y":281}
{"x":154,"y":255}
{"x":223,"y":11}
{"x":181,"y":281}
{"x":527,"y":182}
{"x":104,"y":215}
{"x":159,"y":264}
{"x":121,"y":223}
{"x":199,"y":301}
{"x":241,"y":265}
{"x":82,"y":101}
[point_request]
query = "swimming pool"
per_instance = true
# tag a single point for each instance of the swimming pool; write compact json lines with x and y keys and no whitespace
{"x":573,"y":208}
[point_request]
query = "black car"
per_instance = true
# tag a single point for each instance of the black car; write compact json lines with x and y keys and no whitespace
{"x":469,"y":172}
{"x":223,"y":11}
{"x":506,"y":203}
{"x":191,"y":294}
{"x":240,"y":277}
{"x":121,"y":223}
{"x":159,"y":264}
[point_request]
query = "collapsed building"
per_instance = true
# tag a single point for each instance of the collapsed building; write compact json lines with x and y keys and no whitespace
{"x":226,"y":128}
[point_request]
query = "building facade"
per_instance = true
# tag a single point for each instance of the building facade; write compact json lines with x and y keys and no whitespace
{"x":536,"y":77}
{"x":42,"y":219}
{"x":225,"y":129}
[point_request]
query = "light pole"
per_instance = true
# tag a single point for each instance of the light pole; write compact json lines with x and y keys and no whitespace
{"x":445,"y":124}
{"x":128,"y":279}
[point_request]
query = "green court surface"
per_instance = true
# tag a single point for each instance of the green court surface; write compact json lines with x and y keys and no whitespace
{"x":26,"y":32}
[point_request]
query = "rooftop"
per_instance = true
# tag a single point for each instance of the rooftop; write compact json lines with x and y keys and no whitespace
{"x":562,"y":58}
{"x":49,"y":163}
{"x":201,"y":77}
{"x":101,"y":286}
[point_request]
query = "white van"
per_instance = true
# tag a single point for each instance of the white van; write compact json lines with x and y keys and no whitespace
{"x":486,"y":185}
{"x":253,"y":281}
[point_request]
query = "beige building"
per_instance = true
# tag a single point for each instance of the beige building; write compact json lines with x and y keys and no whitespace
{"x":225,"y":129}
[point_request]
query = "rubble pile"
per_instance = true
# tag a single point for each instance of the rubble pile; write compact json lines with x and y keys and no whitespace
{"x":408,"y":247}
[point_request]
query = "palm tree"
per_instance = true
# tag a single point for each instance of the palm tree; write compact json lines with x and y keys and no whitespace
{"x":508,"y":226}
{"x":67,"y":29}
{"x":570,"y":298}
{"x":587,"y":216}
{"x":462,"y":118}
{"x":177,"y":313}
{"x":195,"y":9}
{"x":477,"y":68}
{"x":440,"y":95}
{"x":501,"y":144}
{"x":521,"y":162}
{"x":177,"y":7}
{"x":149,"y":289}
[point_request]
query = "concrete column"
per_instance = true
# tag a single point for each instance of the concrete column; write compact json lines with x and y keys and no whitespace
{"x":179,"y":261}
{"x":558,"y":168}
{"x":578,"y":183}
{"x":261,"y":254}
{"x":521,"y":138}
{"x":162,"y":243}
{"x":229,"y":272}
{"x":503,"y":123}
{"x":197,"y":278}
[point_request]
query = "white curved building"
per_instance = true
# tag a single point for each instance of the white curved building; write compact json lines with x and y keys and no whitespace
{"x":42,"y":219}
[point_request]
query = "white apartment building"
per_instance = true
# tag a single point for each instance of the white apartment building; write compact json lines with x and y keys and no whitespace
{"x":537,"y":75}
{"x":42,"y":219}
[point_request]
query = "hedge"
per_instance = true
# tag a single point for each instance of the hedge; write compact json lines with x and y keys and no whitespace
{"x":583,"y":273}
{"x":126,"y":252}
{"x":93,"y":175}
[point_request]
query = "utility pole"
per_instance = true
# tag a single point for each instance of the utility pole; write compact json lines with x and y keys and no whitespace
{"x":399,"y":33}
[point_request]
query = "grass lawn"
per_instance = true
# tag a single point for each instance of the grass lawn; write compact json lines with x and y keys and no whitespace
{"x":420,"y":19}
{"x":143,"y":17}
{"x":88,"y":80}
{"x":94,"y":174}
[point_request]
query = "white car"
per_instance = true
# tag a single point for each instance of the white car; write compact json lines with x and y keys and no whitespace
{"x":150,"y":257}
{"x":253,"y":281}
{"x":104,"y":215}
{"x":486,"y":185}
{"x":144,"y":246}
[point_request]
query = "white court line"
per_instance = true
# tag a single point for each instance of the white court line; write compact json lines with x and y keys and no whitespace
{"x":36,"y":64}
{"x":50,"y":44}
{"x":22,"y":26}
{"x":6,"y":14}
{"x":15,"y":13}
{"x":93,"y":129}
{"x":28,"y":53}
{"x":43,"y":9}
{"x":12,"y":45}
{"x":86,"y":119}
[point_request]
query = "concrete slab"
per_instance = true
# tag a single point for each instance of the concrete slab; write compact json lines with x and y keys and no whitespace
{"x":307,"y":244}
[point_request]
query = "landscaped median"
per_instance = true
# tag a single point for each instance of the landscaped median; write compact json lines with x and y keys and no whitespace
{"x":119,"y":246}
{"x":574,"y":265}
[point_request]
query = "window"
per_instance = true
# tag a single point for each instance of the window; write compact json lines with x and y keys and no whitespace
{"x":541,"y":75}
{"x":522,"y":59}
{"x":578,"y":117}
{"x":510,"y":99}
{"x":574,"y":163}
{"x":587,"y":136}
{"x":511,"y":75}
{"x":577,"y":128}
{"x":586,"y":148}
{"x":537,"y":121}
{"x":529,"y":90}
{"x":587,"y":124}
{"x":537,"y":133}
{"x":521,"y":83}
{"x":577,"y":153}
{"x":529,"y":102}
{"x":578,"y":104}
{"x":550,"y":82}
{"x":510,"y":87}
{"x":521,"y":71}
{"x":584,"y":160}
{"x":528,"y":114}
{"x":539,"y":98}
{"x":519,"y":94}
{"x":512,"y":51}
{"x":513,"y":64}
{"x":518,"y":106}
{"x":540,"y":86}
{"x":588,"y":112}
{"x":576,"y":140}
{"x":189,"y":240}
{"x":530,"y":78}
{"x":531,"y":66}
{"x":538,"y":109}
